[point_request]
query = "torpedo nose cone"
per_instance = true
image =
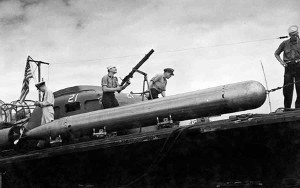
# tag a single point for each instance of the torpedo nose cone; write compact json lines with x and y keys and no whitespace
{"x":245,"y":95}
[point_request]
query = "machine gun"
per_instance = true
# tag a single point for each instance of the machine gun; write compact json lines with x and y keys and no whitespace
{"x":135,"y":69}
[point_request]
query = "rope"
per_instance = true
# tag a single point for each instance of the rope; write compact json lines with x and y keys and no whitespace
{"x":286,"y":85}
{"x":291,"y":62}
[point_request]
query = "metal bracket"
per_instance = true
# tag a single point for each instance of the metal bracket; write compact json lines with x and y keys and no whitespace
{"x":166,"y":123}
{"x":101,"y":133}
{"x":56,"y":140}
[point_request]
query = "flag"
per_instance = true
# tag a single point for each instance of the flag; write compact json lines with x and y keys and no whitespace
{"x":25,"y":87}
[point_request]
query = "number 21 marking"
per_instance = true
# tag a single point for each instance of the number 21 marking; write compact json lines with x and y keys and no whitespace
{"x":73,"y":98}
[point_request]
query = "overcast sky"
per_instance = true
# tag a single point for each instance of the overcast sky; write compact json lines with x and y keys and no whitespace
{"x":208,"y":43}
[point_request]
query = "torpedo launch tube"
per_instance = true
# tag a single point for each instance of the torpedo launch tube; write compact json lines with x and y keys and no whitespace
{"x":201,"y":103}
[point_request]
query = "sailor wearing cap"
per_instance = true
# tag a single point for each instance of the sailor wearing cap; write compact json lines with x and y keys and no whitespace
{"x":291,"y":62}
{"x":159,"y":82}
{"x":110,"y":85}
{"x":46,"y":104}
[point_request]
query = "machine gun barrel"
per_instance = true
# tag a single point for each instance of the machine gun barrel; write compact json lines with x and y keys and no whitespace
{"x":134,"y":69}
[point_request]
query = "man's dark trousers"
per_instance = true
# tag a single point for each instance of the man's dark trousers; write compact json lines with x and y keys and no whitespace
{"x":109,"y":100}
{"x":291,"y":74}
{"x":154,"y":94}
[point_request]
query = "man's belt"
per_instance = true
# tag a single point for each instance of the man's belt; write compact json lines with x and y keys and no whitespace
{"x":158,"y":91}
{"x":293,"y":62}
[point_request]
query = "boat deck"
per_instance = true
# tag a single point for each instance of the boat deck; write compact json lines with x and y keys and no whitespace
{"x":235,"y":122}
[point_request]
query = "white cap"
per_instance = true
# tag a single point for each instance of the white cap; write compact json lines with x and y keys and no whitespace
{"x":293,"y":29}
{"x":110,"y":67}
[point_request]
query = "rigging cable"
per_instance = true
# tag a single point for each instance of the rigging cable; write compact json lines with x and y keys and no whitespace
{"x":177,"y":50}
{"x":268,"y":93}
{"x":48,"y":74}
{"x":220,"y":45}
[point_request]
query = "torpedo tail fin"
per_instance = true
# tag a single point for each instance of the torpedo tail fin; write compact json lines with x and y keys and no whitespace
{"x":35,"y":119}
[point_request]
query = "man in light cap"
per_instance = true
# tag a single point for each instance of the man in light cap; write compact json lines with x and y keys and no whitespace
{"x":46,"y":104}
{"x":291,"y":63}
{"x":159,"y":82}
{"x":47,"y":107}
{"x":110,"y":85}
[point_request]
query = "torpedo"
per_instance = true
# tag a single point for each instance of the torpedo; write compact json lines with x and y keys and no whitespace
{"x":201,"y":103}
